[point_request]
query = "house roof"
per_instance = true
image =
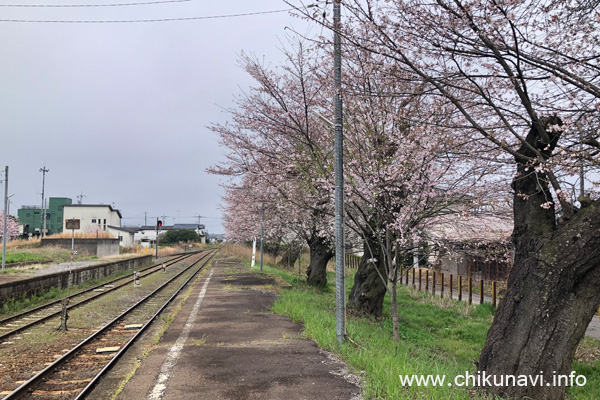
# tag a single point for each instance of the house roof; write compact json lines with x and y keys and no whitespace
{"x":128,"y":229}
{"x":95,"y":205}
{"x":171,"y":227}
{"x":153,"y":228}
{"x":188,"y":226}
{"x":477,"y":227}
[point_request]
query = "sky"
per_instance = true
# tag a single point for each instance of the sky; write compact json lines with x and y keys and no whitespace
{"x":119,"y":111}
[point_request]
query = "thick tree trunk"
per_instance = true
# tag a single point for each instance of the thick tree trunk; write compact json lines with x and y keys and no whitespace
{"x":552,"y":291}
{"x":366,"y":296}
{"x":320,"y":254}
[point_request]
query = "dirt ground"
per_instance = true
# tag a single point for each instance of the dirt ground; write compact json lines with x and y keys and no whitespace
{"x":225,"y":344}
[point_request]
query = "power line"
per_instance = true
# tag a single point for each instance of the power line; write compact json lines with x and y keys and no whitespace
{"x":90,"y":5}
{"x":174,"y":216}
{"x":146,"y":20}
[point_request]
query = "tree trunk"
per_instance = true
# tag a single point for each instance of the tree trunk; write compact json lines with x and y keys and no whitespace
{"x":366,"y":296}
{"x":395,"y":319}
{"x":289,"y":257}
{"x":552,"y":292}
{"x":320,"y":254}
{"x":394,"y":295}
{"x":272,"y":248}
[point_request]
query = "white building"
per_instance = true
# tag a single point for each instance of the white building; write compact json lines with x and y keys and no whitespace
{"x":92,"y":217}
{"x":124,"y":234}
{"x":146,"y":236}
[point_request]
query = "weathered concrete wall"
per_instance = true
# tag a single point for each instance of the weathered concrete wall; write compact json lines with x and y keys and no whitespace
{"x":89,"y":247}
{"x":106,"y":248}
{"x":65,"y":279}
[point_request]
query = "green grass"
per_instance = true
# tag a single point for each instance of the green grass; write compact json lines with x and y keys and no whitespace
{"x":437,"y":337}
{"x":48,"y":253}
{"x":22,"y":257}
{"x":24,"y":302}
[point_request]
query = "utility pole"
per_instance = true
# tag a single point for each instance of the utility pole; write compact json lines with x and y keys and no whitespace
{"x":145,"y":218}
{"x":43,"y":224}
{"x":5,"y":217}
{"x":262,"y":232}
{"x":340,"y":283}
{"x":9,"y":202}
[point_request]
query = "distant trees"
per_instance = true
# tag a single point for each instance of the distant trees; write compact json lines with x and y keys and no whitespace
{"x":179,"y":235}
{"x":280,"y":156}
{"x":12,"y":227}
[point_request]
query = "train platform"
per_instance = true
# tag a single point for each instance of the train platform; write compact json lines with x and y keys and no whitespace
{"x":225,"y":343}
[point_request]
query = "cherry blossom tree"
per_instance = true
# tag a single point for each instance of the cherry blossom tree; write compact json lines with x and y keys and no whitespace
{"x":12,"y":227}
{"x":520,"y":80}
{"x":401,"y":178}
{"x":243,"y":213}
{"x":275,"y":136}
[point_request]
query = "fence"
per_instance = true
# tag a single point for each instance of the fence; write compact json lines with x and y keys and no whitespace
{"x":416,"y":275}
{"x":445,"y":284}
{"x":352,"y":261}
{"x":453,"y":286}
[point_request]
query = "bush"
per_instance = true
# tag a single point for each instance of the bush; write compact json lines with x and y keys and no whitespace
{"x":180,"y":235}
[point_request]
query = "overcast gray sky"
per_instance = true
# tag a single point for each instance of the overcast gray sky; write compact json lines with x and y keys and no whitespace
{"x":119,"y":111}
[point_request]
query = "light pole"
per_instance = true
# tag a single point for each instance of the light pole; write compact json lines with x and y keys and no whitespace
{"x":340,"y":284}
{"x":43,"y":222}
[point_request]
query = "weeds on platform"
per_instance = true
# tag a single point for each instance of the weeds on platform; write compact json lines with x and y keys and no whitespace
{"x":23,"y":257}
{"x":437,"y":337}
{"x":15,"y":271}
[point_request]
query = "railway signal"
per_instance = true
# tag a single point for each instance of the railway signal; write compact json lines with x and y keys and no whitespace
{"x":158,"y":225}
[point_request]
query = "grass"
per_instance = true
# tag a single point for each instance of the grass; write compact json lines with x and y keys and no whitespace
{"x":14,"y":271}
{"x":24,"y":302}
{"x":437,"y":337}
{"x":434,"y":341}
{"x":23,"y":243}
{"x":36,"y":241}
{"x":54,"y":254}
{"x":23,"y":257}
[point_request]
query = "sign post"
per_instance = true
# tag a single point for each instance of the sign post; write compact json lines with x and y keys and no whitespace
{"x":72,"y":224}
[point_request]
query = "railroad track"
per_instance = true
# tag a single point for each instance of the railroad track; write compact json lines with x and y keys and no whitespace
{"x":74,"y":374}
{"x":20,"y":322}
